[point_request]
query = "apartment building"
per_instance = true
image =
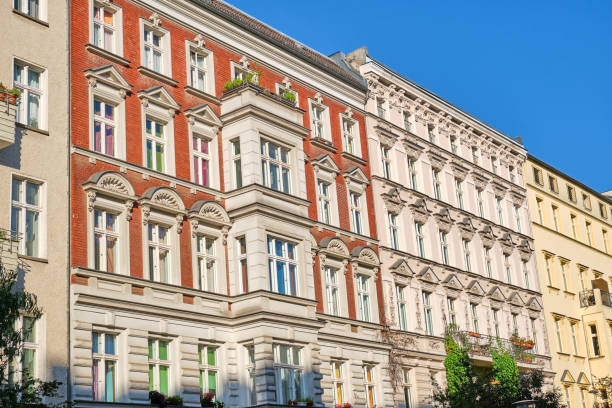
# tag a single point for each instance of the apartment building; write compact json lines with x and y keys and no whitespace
{"x":453,"y":224}
{"x":34,"y":174}
{"x":223,"y":237}
{"x":571,"y":225}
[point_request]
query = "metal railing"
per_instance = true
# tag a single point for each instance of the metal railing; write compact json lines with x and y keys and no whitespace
{"x":9,"y":245}
{"x":588,"y":298}
{"x":481,"y":345}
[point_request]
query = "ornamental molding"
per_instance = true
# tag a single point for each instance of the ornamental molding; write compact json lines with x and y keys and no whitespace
{"x":364,"y":255}
{"x":515,"y":299}
{"x":525,"y":250}
{"x":412,"y":147}
{"x":428,"y":275}
{"x":444,"y":220}
{"x":110,"y":184}
{"x":386,"y":135}
{"x":499,"y":189}
{"x":496,"y":294}
{"x":110,"y":76}
{"x":165,"y":200}
{"x":480,"y":181}
{"x":474,"y":288}
{"x":534,"y":304}
{"x":334,"y":247}
{"x":419,"y":211}
{"x":204,"y":114}
{"x":459,"y":170}
{"x":436,"y":160}
{"x":209,"y":213}
{"x":325,"y":162}
{"x":487,"y":236}
{"x":452,"y":282}
{"x":355,"y":175}
{"x":506,"y":243}
{"x":393,"y":201}
{"x":466,"y":229}
{"x":518,"y":198}
{"x":401,"y":267}
{"x":159,"y":96}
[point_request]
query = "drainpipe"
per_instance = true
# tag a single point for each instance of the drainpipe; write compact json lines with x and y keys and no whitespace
{"x":68,"y":212}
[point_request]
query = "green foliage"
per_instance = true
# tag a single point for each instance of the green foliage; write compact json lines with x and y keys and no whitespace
{"x":175,"y":400}
{"x":459,"y":374}
{"x":288,"y":96}
{"x":505,"y":371}
{"x":12,"y":91}
{"x":29,"y":392}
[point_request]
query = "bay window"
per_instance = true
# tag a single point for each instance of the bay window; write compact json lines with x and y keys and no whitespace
{"x":106,"y":241}
{"x":159,"y":250}
{"x":30,"y":80}
{"x":282,"y":266}
{"x":275,"y":166}
{"x":289,"y":372}
{"x":104,"y":366}
{"x":207,"y":262}
{"x":363,"y":297}
{"x":159,"y":366}
{"x":27,"y":215}
{"x":332,"y":289}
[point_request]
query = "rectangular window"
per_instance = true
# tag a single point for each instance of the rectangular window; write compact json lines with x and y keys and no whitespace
{"x":444,"y":248}
{"x":380,"y":108}
{"x":452,"y":314}
{"x":453,"y":144}
{"x":26,"y":366}
{"x":401,"y":307}
{"x":515,"y":328}
{"x":26,"y":215}
{"x":355,"y":203}
{"x":243,"y":275}
{"x":588,"y":233}
{"x":552,"y":184}
{"x":428,"y":313}
{"x":420,"y":239}
{"x":538,"y":177}
{"x":349,"y":136}
{"x":198,"y":70}
{"x":252,"y":374}
{"x":206,"y":259}
{"x":475,"y":157}
{"x":571,"y":193}
{"x":368,"y":383}
{"x":29,"y":7}
{"x":500,"y":211}
{"x":474,"y":310}
{"x":332,"y":288}
{"x":594,"y":340}
{"x":324,"y":202}
{"x":282,"y":266}
{"x":28,"y":80}
{"x":573,"y":223}
{"x":559,"y":334}
{"x":564,"y":275}
{"x":540,"y":211}
{"x":526,"y":275}
{"x":496,"y":322}
{"x":104,"y":366}
{"x":209,"y":369}
{"x":393,"y":235}
{"x":363,"y":298}
{"x":568,"y":398}
{"x":159,"y":253}
{"x":317,"y":114}
{"x":106,"y":239}
{"x":512,"y":174}
{"x":155,"y":139}
{"x":602,"y":210}
{"x":604,"y":235}
{"x":517,"y":218}
{"x":275,"y":167}
{"x":488,"y":262}
{"x":459,"y":193}
{"x":574,"y":340}
{"x":289,"y":373}
{"x":480,"y":203}
{"x":386,"y":162}
{"x":237,"y":163}
{"x":338,"y":382}
{"x":201,"y":160}
{"x":508,"y":268}
{"x":153,"y":50}
{"x":583,"y":398}
{"x":407,"y":122}
{"x":437,"y":188}
{"x":534,"y":334}
{"x":159,"y":366}
{"x":104,"y":27}
{"x":547,"y":261}
{"x":431,"y":133}
{"x":494,"y":168}
{"x":555,"y":214}
{"x":105,"y":126}
{"x":466,"y":255}
{"x":412,"y":175}
{"x":407,"y":388}
{"x":586,"y":201}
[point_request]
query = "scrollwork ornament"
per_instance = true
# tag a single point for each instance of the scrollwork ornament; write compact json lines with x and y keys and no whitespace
{"x":129,"y":206}
{"x":91,"y":198}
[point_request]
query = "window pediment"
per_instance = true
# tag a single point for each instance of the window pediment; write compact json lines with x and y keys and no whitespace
{"x":110,"y":76}
{"x":534,"y":304}
{"x":506,"y":243}
{"x":516,"y":300}
{"x":475,"y":288}
{"x":412,"y":147}
{"x":356,"y":177}
{"x":420,"y":212}
{"x":525,"y":250}
{"x":393,"y":201}
{"x":335,"y":247}
{"x":466,"y":229}
{"x":459,"y":171}
{"x":427,"y":274}
{"x":444,"y":220}
{"x":452,"y":282}
{"x":112,"y":184}
{"x":583,"y":379}
{"x":518,"y":198}
{"x":487,"y":236}
{"x":480,"y":181}
{"x":325,"y":163}
{"x":204,"y":114}
{"x":159,"y":96}
{"x":567,"y":377}
{"x":209,"y":213}
{"x":165,"y":200}
{"x":496,"y":294}
{"x":366,"y":256}
{"x":436,"y":160}
{"x":499,"y":189}
{"x":402,"y":268}
{"x":386,"y":135}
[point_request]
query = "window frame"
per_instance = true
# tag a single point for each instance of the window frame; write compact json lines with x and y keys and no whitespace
{"x":102,"y":359}
{"x":23,"y":208}
{"x":337,"y":378}
{"x":445,"y":256}
{"x":117,"y":27}
{"x":420,"y":239}
{"x":364,"y":297}
{"x":209,"y":69}
{"x":369,"y":384}
{"x":23,"y":7}
{"x":273,"y":259}
{"x":428,"y":313}
{"x":164,"y":48}
{"x":295,"y":392}
{"x":402,"y":315}
{"x":267,"y":161}
{"x":22,"y":111}
{"x":412,"y":173}
{"x":324,"y":120}
{"x":386,"y":161}
{"x":394,"y":239}
{"x":204,"y":367}
{"x":282,"y":88}
{"x":157,"y":362}
{"x":350,"y":133}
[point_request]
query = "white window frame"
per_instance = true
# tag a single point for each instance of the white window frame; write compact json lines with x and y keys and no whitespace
{"x":326,"y":213}
{"x":332,"y":290}
{"x":323,"y":121}
{"x":459,"y":193}
{"x":500,"y":210}
{"x":157,"y":362}
{"x":100,"y":359}
{"x":161,"y":115}
{"x":23,"y":7}
{"x":117,"y":26}
{"x":242,"y":70}
{"x":445,"y":256}
{"x":407,"y":117}
{"x":16,"y":368}
{"x":381,"y":108}
{"x":22,"y":206}
{"x":407,"y":386}
{"x":412,"y":173}
{"x":474,"y":313}
{"x":480,"y":203}
{"x":236,"y":155}
{"x":197,"y":175}
{"x":364,"y":297}
{"x":402,"y":316}
{"x":436,"y":184}
{"x":204,"y":369}
{"x":488,"y":262}
{"x":293,"y":367}
{"x":369,"y":383}
{"x":252,"y":374}
{"x":465,"y":244}
{"x":517,"y":218}
{"x":420,"y":239}
{"x":394,"y":239}
{"x":431,"y":133}
{"x":526,"y":275}
{"x":452,"y":312}
{"x":356,"y":212}
{"x":158,"y":246}
{"x":164,"y":48}
{"x":337,"y":375}
{"x":209,"y":69}
{"x":267,"y":161}
{"x":386,"y":161}
{"x":287,"y":261}
{"x":25,"y":89}
{"x":242,"y":264}
{"x":351,"y":140}
{"x":508,"y":268}
{"x":496,"y":323}
{"x":101,"y":257}
{"x":281,"y":88}
{"x":204,"y":259}
{"x":428,"y":311}
{"x":174,"y":264}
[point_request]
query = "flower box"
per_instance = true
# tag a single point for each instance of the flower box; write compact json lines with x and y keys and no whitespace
{"x":474,"y":334}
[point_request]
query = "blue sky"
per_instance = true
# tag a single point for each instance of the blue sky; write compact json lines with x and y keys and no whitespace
{"x":538,"y":69}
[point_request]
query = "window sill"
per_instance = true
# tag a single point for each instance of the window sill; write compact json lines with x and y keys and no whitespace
{"x":597,"y":357}
{"x":107,"y":54}
{"x":203,"y":95}
{"x":553,"y":288}
{"x":33,"y":258}
{"x":354,"y":158}
{"x":323,"y":144}
{"x":156,"y":75}
{"x":567,"y":292}
{"x":563,"y":353}
{"x":32,"y":129}
{"x":34,"y":19}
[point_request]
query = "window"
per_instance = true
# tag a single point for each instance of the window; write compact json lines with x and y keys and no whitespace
{"x":154,"y":47}
{"x":368,"y":383}
{"x":319,"y":119}
{"x":332,"y":288}
{"x":475,"y":157}
{"x":386,"y":162}
{"x":480,"y":203}
{"x":474,"y":311}
{"x":571,"y":193}
{"x":500,"y":211}
{"x":488,"y":260}
{"x":552,"y":184}
{"x":517,"y":218}
{"x":407,"y":122}
{"x":568,"y":398}
{"x":555,"y":213}
{"x":26,"y":215}
{"x":355,"y":208}
{"x":288,"y":371}
{"x":33,"y":8}
{"x":583,"y":398}
{"x":242,"y":71}
{"x":508,"y":269}
{"x":453,"y":144}
{"x":30,"y":81}
{"x":574,"y":341}
{"x":243,"y":276}
{"x":159,"y":366}
{"x":559,"y":334}
{"x":209,"y":370}
{"x":237,"y":163}
{"x":105,"y":124}
{"x":155,"y":139}
{"x":428,"y":313}
{"x":515,"y":328}
{"x":602,"y":210}
{"x":431,"y":133}
{"x":393,"y":235}
{"x":496,"y":322}
{"x":350,"y":136}
{"x":338,"y":382}
{"x":512,"y":174}
{"x":106,"y":241}
{"x":534,"y":333}
{"x":324,"y":202}
{"x":594,"y":340}
{"x":363,"y":298}
{"x":282,"y":266}
{"x":452,"y":314}
{"x":588,"y":232}
{"x":538,"y":177}
{"x":573,"y":223}
{"x":459,"y":193}
{"x":436,"y":184}
{"x":444,"y":248}
{"x":420,"y":239}
{"x":252,"y":374}
{"x":526,"y":275}
{"x":200,"y":68}
{"x":401,"y":307}
{"x":380,"y":108}
{"x":104,"y":366}
{"x":284,"y":91}
{"x":547,"y":260}
{"x":26,"y":364}
{"x":407,"y":388}
{"x":604,"y":234}
{"x":564,"y":275}
{"x":494,"y":168}
{"x":466,"y":255}
{"x":540,"y":211}
{"x":412,"y":175}
{"x":275,"y":168}
{"x":207,"y":262}
{"x":106,"y":24}
{"x":586,"y":201}
{"x":201,"y":160}
{"x":159,"y":253}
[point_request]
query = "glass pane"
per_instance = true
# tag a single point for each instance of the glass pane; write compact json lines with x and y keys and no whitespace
{"x":33,"y":106}
{"x":27,"y":362}
{"x":284,"y":354}
{"x":98,"y":137}
{"x":108,"y":39}
{"x":159,"y":157}
{"x":159,"y":130}
{"x":291,"y":251}
{"x":162,"y":234}
{"x":97,"y":108}
{"x":163,"y":379}
{"x":33,"y":79}
{"x":31,"y":233}
{"x":110,"y":221}
{"x":156,"y":39}
{"x":278,"y":247}
{"x":280,"y":277}
{"x":201,"y":80}
{"x":163,"y":350}
{"x":110,"y":381}
{"x":29,"y":330}
{"x":109,"y":344}
{"x":272,"y":151}
{"x":212,"y":382}
{"x":274,"y":176}
{"x":151,"y":349}
{"x":97,"y":251}
{"x":285,"y":180}
{"x":149,"y":154}
{"x":204,"y":169}
{"x":108,"y":17}
{"x":163,"y":266}
{"x":156,"y":61}
{"x":18,"y":73}
{"x":210,"y":246}
{"x":95,"y":341}
{"x":109,"y":111}
{"x":151,"y":378}
{"x":211,"y":355}
{"x":296,"y":356}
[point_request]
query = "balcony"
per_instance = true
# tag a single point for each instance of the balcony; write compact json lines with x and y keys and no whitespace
{"x":595,"y":297}
{"x":8,"y":111}
{"x":482,"y":344}
{"x":9,"y":245}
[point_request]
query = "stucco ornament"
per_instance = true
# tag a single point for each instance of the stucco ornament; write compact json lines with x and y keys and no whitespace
{"x":466,"y":229}
{"x":437,"y":161}
{"x":420,"y":211}
{"x":154,"y":18}
{"x":444,"y":220}
{"x":487,"y":236}
{"x":393,"y":201}
{"x":199,"y":40}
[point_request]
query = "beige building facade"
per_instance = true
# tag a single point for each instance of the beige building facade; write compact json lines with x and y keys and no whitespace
{"x":571,"y":225}
{"x":34,"y":172}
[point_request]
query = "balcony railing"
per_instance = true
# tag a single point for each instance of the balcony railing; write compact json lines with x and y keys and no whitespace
{"x":589,"y":298}
{"x":481,"y":345}
{"x":9,"y":245}
{"x":8,"y":111}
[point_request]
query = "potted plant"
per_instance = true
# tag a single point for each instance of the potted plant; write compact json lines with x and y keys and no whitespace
{"x":309,"y":402}
{"x":219,"y":404}
{"x":347,"y":405}
{"x":11,"y":94}
{"x":176,"y":401}
{"x":157,"y":397}
{"x":529,"y":344}
{"x":474,"y":334}
{"x":288,"y":96}
{"x":208,"y":400}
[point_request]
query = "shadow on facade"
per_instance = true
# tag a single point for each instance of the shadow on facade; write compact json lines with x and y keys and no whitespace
{"x":11,"y":156}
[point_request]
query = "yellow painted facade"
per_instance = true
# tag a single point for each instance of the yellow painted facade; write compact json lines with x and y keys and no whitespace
{"x":571,"y":226}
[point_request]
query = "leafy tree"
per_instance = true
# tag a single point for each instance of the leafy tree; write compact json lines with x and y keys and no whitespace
{"x":27,"y":391}
{"x":506,"y":376}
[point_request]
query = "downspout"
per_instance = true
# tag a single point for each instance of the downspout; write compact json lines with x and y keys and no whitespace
{"x":68,"y":212}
